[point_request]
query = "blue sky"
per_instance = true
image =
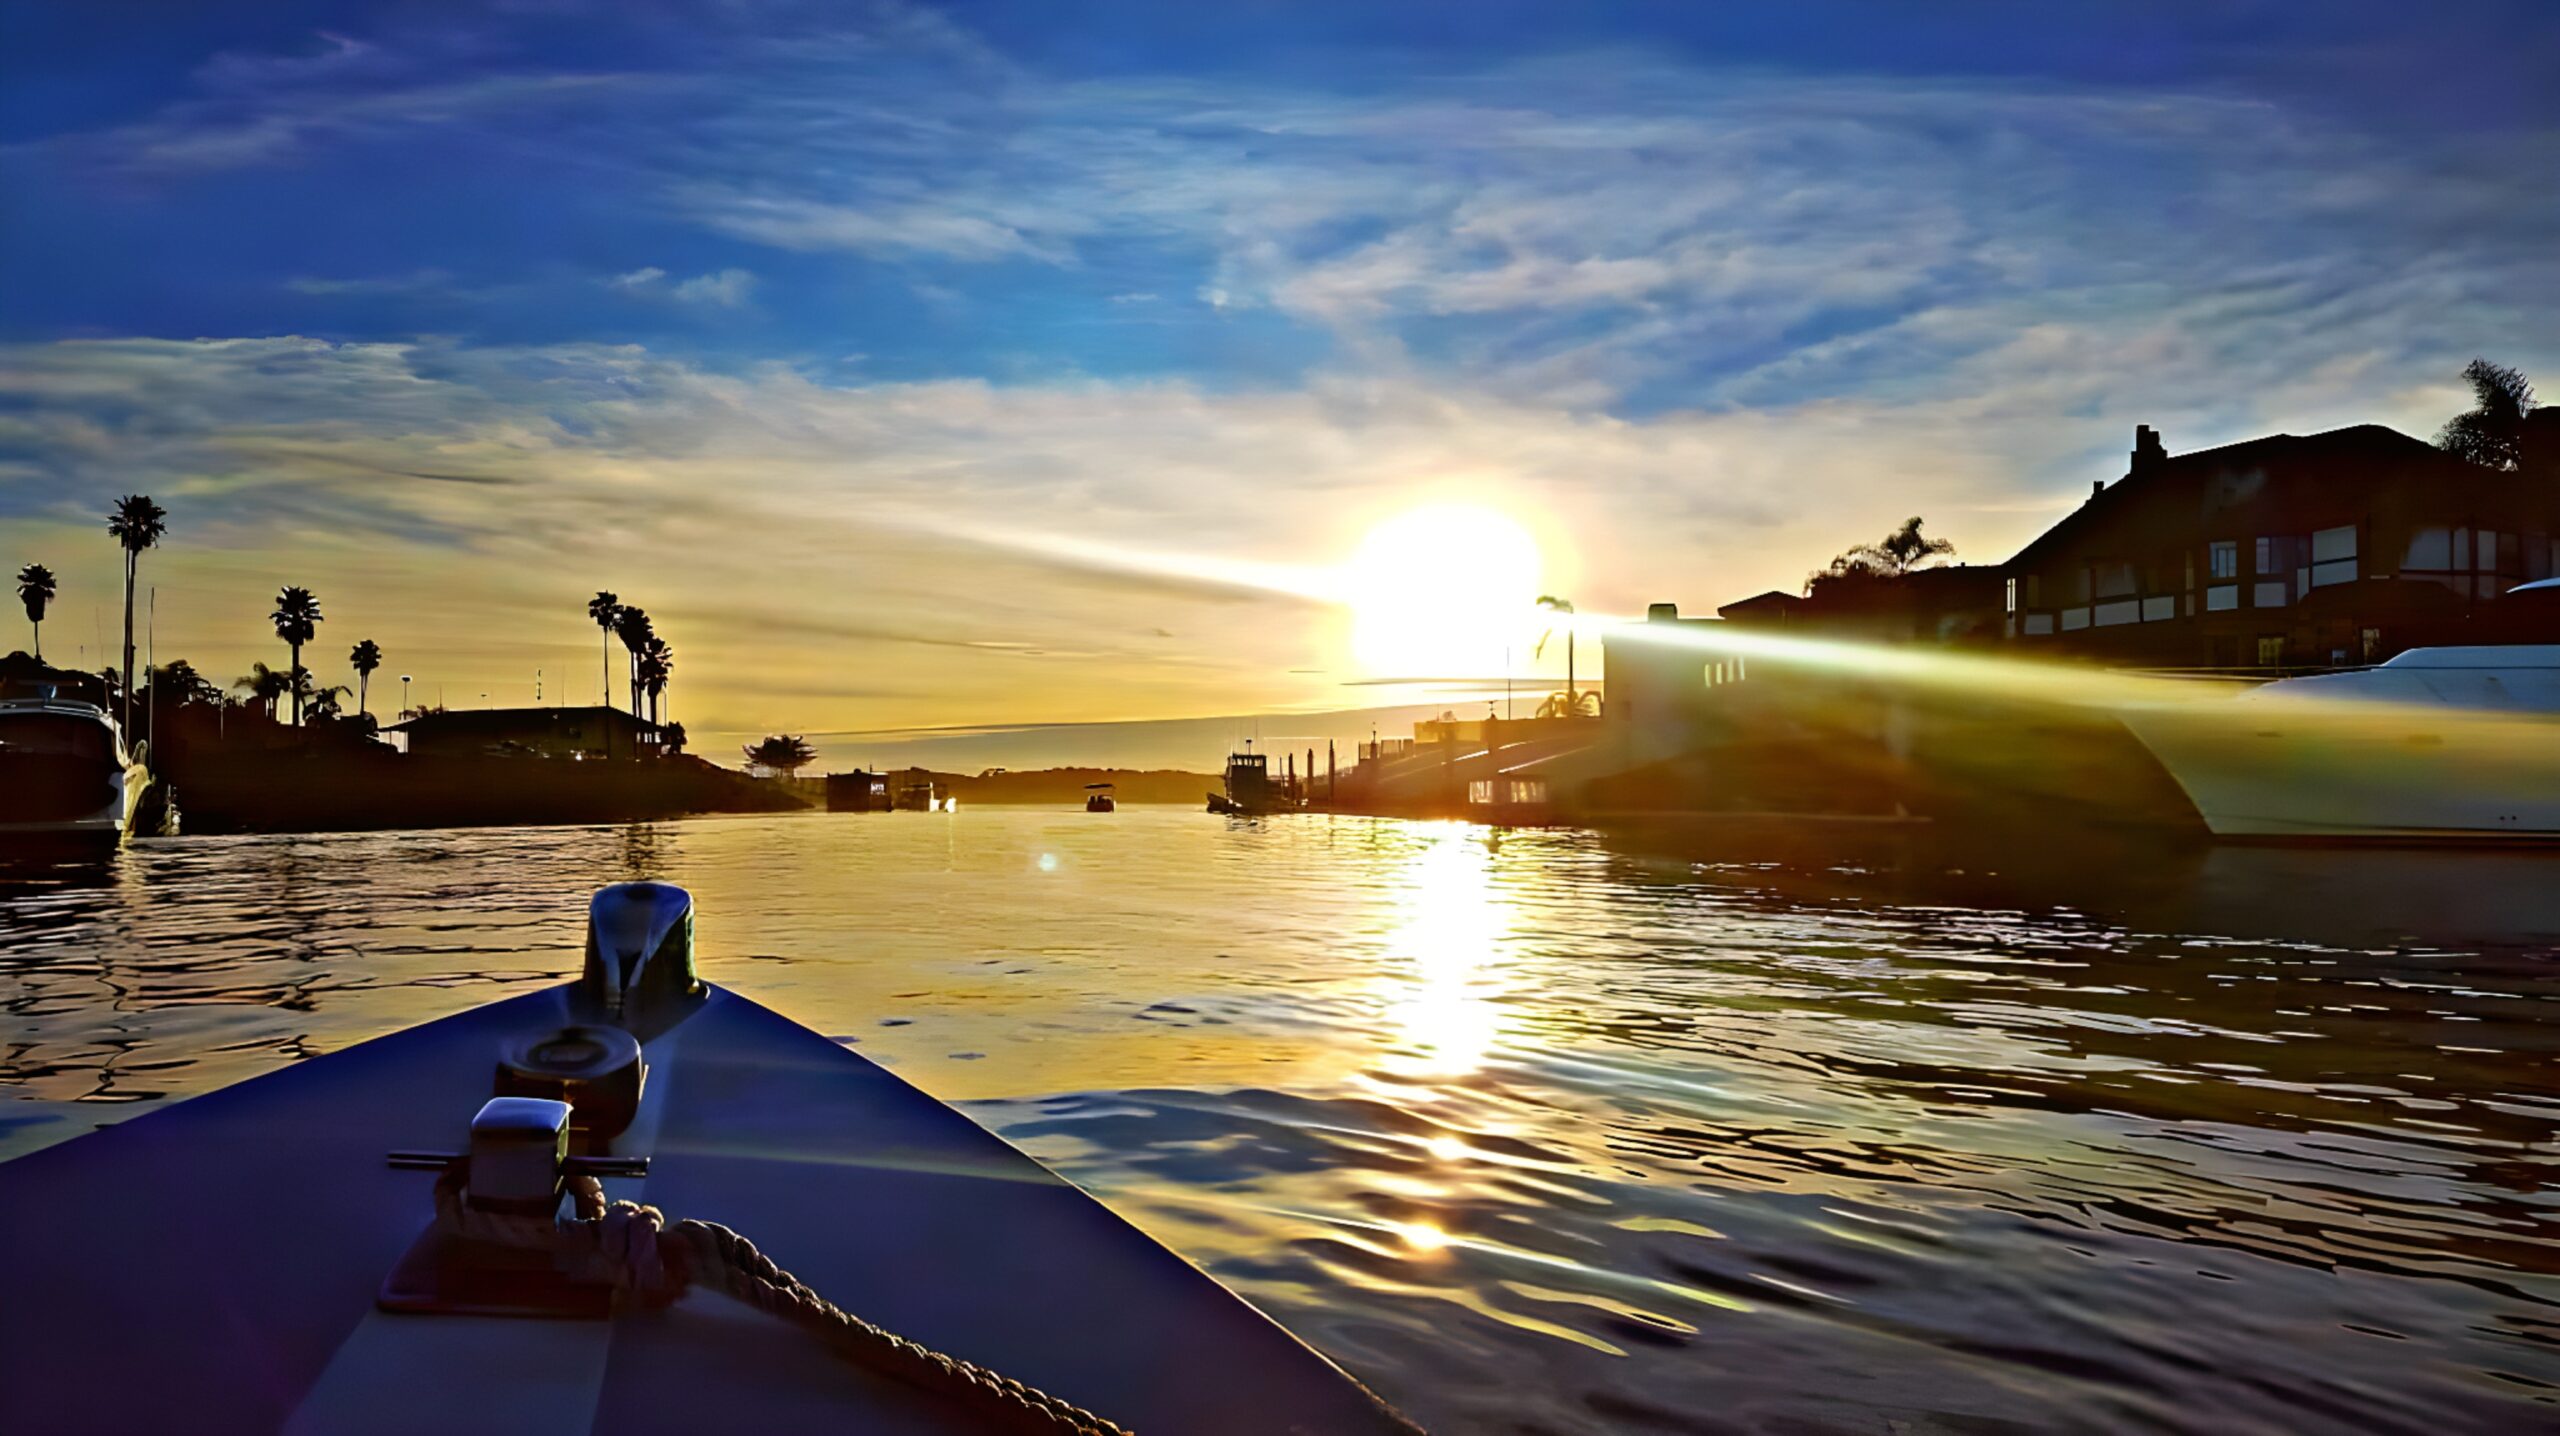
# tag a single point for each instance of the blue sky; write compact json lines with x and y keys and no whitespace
{"x":467,"y":309}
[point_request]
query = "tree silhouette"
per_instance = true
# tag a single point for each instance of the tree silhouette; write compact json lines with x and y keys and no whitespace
{"x":137,"y":524}
{"x":35,"y":590}
{"x":297,"y":619}
{"x":364,"y":658}
{"x":631,"y":625}
{"x":603,"y":610}
{"x":1905,"y":550}
{"x":264,"y":685}
{"x":657,"y":665}
{"x":783,"y":753}
{"x":2491,"y":434}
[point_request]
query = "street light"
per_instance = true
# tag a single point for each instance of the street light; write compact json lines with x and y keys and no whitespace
{"x":404,"y":695}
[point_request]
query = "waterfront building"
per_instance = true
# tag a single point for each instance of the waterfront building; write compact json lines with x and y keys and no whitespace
{"x":859,"y":792}
{"x":592,"y":733}
{"x":2326,"y":549}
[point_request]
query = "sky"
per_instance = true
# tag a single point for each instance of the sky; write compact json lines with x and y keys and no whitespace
{"x":930,"y":370}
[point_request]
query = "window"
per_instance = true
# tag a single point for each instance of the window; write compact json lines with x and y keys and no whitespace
{"x":2266,"y":555}
{"x":2271,"y":650}
{"x":2039,"y":624}
{"x":2112,"y":579}
{"x":2074,"y":618}
{"x":2010,"y":605}
{"x":2156,"y":609}
{"x":2475,"y":563}
{"x":1480,"y":792}
{"x":2127,"y":610}
{"x":2221,"y":596}
{"x":2268,"y":595}
{"x":2222,"y":558}
{"x":2369,"y":642}
{"x":2333,"y":556}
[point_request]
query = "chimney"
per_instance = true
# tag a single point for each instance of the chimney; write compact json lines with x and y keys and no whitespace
{"x":2097,"y":487}
{"x":1662,"y":613}
{"x":2147,"y":448}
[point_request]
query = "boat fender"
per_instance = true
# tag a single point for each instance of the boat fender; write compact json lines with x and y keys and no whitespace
{"x":639,"y":948}
{"x":597,"y":1070}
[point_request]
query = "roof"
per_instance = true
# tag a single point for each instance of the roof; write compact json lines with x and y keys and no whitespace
{"x":1774,"y":601}
{"x":511,"y":720}
{"x":2361,"y":441}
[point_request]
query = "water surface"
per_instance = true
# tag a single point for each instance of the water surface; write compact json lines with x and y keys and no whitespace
{"x":1550,"y":1131}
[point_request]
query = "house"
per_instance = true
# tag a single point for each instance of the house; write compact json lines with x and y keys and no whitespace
{"x":574,"y":733}
{"x":2333,"y":548}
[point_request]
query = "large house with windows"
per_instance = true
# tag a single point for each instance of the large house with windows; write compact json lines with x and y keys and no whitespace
{"x":2286,"y":551}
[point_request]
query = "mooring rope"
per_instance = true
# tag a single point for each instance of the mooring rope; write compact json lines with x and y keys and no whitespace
{"x":635,"y":1249}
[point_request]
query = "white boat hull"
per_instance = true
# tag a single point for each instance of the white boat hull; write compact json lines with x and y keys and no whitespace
{"x":2384,"y":772}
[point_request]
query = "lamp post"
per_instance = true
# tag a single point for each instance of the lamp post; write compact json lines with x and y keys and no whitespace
{"x":404,"y":695}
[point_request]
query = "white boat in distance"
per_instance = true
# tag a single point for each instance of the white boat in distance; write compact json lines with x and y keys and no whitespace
{"x":66,"y":777}
{"x":2438,"y":743}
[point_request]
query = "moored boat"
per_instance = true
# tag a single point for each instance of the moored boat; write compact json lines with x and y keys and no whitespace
{"x":248,"y":1260}
{"x":67,"y":779}
{"x":2458,"y":743}
{"x":1097,"y":798}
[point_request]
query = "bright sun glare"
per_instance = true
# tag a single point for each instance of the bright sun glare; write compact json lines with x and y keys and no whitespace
{"x":1441,"y":592}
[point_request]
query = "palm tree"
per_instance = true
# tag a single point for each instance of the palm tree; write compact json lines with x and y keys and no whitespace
{"x":605,"y":609}
{"x":364,"y":658}
{"x":632,"y":626}
{"x":297,"y":619}
{"x":35,"y":590}
{"x":783,"y":753}
{"x":1905,"y":550}
{"x":264,"y":686}
{"x":657,"y":665}
{"x":2492,"y":433}
{"x":1553,"y":604}
{"x":137,"y":524}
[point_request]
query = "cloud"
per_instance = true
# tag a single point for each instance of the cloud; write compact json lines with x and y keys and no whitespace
{"x":721,"y":289}
{"x":727,"y":289}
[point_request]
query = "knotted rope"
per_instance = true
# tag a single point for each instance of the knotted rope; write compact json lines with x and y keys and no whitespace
{"x":635,"y":1250}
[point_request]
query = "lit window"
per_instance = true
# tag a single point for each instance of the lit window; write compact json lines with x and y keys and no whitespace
{"x":2011,"y":589}
{"x":2266,"y":555}
{"x":2223,"y":558}
{"x":2271,"y":650}
{"x":2221,"y":596}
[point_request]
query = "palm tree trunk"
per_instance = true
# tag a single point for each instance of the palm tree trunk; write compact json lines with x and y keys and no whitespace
{"x":606,"y":646}
{"x":364,"y":682}
{"x":293,"y":681}
{"x":132,"y":558}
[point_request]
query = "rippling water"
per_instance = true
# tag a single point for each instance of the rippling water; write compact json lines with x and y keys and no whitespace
{"x":1552,"y":1132}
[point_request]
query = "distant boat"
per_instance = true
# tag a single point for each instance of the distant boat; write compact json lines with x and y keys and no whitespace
{"x":67,"y":780}
{"x":1249,"y":787}
{"x":2438,"y":743}
{"x":1097,"y":798}
{"x":476,"y":1282}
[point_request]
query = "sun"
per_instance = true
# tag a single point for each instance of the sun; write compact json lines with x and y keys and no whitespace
{"x":1443,"y":592}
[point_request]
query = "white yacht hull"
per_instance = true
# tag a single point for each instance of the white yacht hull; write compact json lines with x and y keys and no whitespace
{"x":2390,"y":772}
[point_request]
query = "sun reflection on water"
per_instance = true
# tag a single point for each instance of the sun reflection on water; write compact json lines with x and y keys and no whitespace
{"x":1444,"y":965}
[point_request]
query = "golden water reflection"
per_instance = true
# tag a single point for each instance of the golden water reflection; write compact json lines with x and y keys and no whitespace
{"x":1443,"y":978}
